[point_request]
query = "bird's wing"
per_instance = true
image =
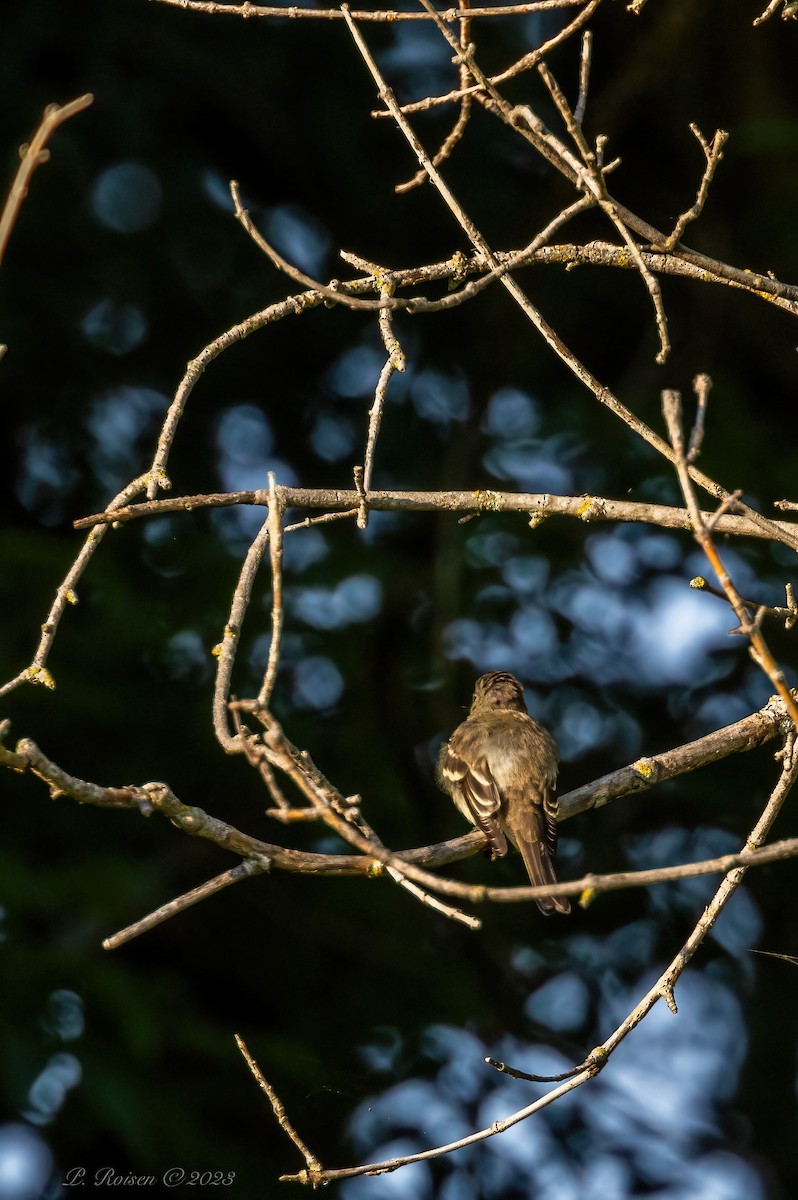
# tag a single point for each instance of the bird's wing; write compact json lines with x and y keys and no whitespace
{"x":551,"y":808}
{"x":473,"y":783}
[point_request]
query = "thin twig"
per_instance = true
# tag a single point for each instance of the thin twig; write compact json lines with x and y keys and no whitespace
{"x":713,"y":910}
{"x":329,"y":293}
{"x":34,"y":155}
{"x":250,"y":744}
{"x":556,"y":153}
{"x":312,"y":1164}
{"x":275,"y":526}
{"x":480,"y":1135}
{"x":672,"y":409}
{"x":688,"y":263}
{"x":525,"y":63}
{"x":592,"y":177}
{"x":595,"y":1060}
{"x":787,"y":613}
{"x":455,"y":134}
{"x":448,"y":144}
{"x":585,"y":52}
{"x":66,"y":594}
{"x":225,"y":651}
{"x":395,"y":361}
{"x":447,"y":910}
{"x":245,"y":870}
{"x":768,"y":12}
{"x":713,"y":154}
{"x":345,"y":817}
{"x":702,"y":385}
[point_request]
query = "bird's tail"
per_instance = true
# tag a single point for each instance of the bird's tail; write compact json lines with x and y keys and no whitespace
{"x":527,"y":833}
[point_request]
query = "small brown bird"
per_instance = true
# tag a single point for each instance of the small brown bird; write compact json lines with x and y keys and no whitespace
{"x":500,"y":768}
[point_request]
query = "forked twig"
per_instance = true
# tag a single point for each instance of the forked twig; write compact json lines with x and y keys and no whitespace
{"x":483,"y":84}
{"x":789,"y":11}
{"x":395,"y":361}
{"x":672,"y":410}
{"x":592,"y":177}
{"x":455,"y":134}
{"x":287,"y":268}
{"x":713,"y":154}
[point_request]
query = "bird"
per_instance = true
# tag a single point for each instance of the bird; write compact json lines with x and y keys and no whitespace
{"x":500,"y":769}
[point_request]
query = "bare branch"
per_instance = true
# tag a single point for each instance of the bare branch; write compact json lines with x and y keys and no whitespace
{"x":339,"y":503}
{"x":381,"y":15}
{"x":752,"y":731}
{"x":328,"y":293}
{"x":525,"y":63}
{"x":602,"y":393}
{"x":480,"y":1135}
{"x":373,"y":858}
{"x":787,"y":613}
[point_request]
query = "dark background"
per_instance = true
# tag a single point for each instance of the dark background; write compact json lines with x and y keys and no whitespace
{"x":370,"y":1014}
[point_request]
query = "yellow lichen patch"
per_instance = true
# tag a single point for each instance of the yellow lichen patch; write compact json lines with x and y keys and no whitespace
{"x":161,"y":479}
{"x":459,"y":264}
{"x":489,"y":501}
{"x":645,"y":767}
{"x":764,"y":295}
{"x":590,"y":507}
{"x":41,"y":676}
